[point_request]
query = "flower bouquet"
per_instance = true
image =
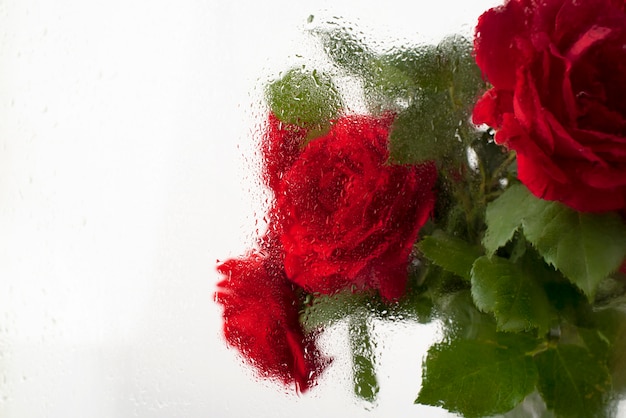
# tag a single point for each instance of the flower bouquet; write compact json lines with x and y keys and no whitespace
{"x":484,"y":189}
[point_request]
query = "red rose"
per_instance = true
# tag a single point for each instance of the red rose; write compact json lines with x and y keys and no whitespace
{"x":558,"y":70}
{"x":280,"y":147}
{"x":348,"y":218}
{"x":261,"y":320}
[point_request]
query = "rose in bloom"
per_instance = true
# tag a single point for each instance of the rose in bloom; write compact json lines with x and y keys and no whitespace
{"x":348,"y":218}
{"x":558,"y":71}
{"x":280,"y":147}
{"x":261,"y":321}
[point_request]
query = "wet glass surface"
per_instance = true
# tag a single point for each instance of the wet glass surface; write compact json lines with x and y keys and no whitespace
{"x":129,"y":165}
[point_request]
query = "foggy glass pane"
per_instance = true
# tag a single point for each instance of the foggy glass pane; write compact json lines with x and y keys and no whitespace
{"x":130,"y":165}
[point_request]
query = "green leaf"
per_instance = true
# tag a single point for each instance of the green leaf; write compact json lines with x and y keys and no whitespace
{"x":450,"y":253}
{"x":570,"y":304}
{"x":477,"y":378}
{"x":573,"y":382}
{"x":609,"y":289}
{"x":447,"y":66}
{"x":425,"y":131}
{"x":504,"y":216}
{"x":346,"y":50}
{"x":386,"y":86}
{"x":444,"y":81}
{"x":415,"y":305}
{"x":595,"y":341}
{"x":304,"y":98}
{"x":532,"y":406}
{"x":612,"y":327}
{"x":364,"y":375}
{"x":324,"y":310}
{"x":467,"y":80}
{"x":462,"y":319}
{"x":511,"y":293}
{"x":585,"y":247}
{"x":617,"y":364}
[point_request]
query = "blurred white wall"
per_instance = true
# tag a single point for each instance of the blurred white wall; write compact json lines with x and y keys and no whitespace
{"x":126,"y":171}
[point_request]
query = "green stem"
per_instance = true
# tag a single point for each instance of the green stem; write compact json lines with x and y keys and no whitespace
{"x":364,"y":374}
{"x":497,"y":174}
{"x":544,"y":346}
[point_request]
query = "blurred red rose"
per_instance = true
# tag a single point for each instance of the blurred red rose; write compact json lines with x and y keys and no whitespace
{"x":261,"y":320}
{"x":280,"y":147}
{"x":348,"y":218}
{"x":558,"y":71}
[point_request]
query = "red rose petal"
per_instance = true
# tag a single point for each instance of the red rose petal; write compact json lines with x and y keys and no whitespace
{"x":280,"y":147}
{"x":491,"y":106}
{"x":496,"y":49}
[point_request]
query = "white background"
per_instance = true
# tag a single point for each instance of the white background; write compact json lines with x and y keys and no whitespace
{"x":126,"y":170}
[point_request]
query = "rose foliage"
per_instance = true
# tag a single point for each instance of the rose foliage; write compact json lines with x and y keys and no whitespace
{"x":508,"y":232}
